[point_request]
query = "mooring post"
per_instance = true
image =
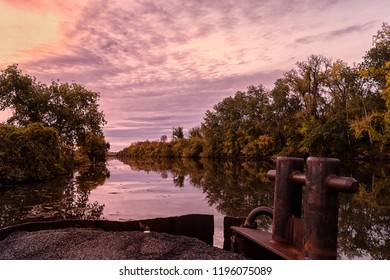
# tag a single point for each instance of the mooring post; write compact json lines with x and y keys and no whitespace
{"x":320,"y":209}
{"x":313,"y":236}
{"x":287,"y":197}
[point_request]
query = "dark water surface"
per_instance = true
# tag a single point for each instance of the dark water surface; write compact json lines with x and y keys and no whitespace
{"x":142,"y":189}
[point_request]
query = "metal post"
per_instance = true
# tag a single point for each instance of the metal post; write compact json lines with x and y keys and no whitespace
{"x":315,"y":235}
{"x":287,"y":197}
{"x":320,"y":209}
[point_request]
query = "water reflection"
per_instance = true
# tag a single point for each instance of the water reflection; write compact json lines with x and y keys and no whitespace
{"x":62,"y":199}
{"x":235,"y":188}
{"x":159,"y":187}
{"x":365,"y":217}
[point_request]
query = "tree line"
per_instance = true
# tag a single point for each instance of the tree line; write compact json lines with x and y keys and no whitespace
{"x":319,"y":108}
{"x":52,"y":128}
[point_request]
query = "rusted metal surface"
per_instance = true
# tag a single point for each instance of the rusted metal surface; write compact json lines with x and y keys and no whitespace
{"x":271,"y":174}
{"x":321,"y":209}
{"x":342,"y":184}
{"x":287,"y":197}
{"x":194,"y":225}
{"x":297,"y":232}
{"x":296,"y":177}
{"x":258,"y":244}
{"x":259,"y":211}
{"x":228,"y":223}
{"x":313,"y":233}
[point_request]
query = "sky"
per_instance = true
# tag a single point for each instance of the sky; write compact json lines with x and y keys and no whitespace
{"x":159,"y":64}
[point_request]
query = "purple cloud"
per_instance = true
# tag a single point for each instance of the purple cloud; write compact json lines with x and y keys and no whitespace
{"x":335,"y":33}
{"x":159,"y":64}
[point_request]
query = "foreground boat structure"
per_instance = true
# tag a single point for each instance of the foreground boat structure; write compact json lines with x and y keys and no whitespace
{"x":304,"y":215}
{"x":194,"y":225}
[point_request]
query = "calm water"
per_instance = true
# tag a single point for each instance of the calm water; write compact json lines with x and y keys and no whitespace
{"x":144,"y":189}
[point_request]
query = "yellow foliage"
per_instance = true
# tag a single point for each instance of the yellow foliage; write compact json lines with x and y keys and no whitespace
{"x":386,"y":97}
{"x":264,"y":143}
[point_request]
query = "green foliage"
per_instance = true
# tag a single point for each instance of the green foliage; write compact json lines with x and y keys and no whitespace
{"x":94,"y":147}
{"x":377,"y":58}
{"x":29,"y":154}
{"x":68,"y":110}
{"x":177,"y":133}
{"x":375,"y":71}
{"x":235,"y":122}
{"x":386,"y":97}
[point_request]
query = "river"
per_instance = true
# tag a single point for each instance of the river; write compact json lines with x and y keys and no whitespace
{"x":142,"y":189}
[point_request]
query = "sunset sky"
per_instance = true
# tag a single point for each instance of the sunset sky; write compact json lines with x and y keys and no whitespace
{"x":160,"y":64}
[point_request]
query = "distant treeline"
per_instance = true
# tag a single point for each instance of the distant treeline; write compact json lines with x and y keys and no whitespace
{"x":319,"y":108}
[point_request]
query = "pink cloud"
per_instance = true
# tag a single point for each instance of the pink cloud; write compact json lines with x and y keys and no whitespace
{"x":43,"y":5}
{"x":151,"y":58}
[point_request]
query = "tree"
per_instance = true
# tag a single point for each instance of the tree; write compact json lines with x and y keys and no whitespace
{"x":308,"y":82}
{"x":29,"y":154}
{"x":235,"y":122}
{"x":74,"y":112}
{"x":377,"y":65}
{"x":28,"y":99}
{"x":377,"y":58}
{"x":322,"y":91}
{"x":285,"y":108}
{"x":71,"y":109}
{"x":374,"y":72}
{"x":95,"y":147}
{"x":177,"y":133}
{"x":386,"y":94}
{"x":195,"y":144}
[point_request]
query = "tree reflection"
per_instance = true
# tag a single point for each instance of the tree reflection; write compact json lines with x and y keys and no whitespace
{"x":62,"y":199}
{"x":89,"y":177}
{"x":235,"y":188}
{"x":366,"y":234}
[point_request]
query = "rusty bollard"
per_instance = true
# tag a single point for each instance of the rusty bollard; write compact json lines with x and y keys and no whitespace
{"x":321,"y":206}
{"x":296,"y":235}
{"x":287,"y":196}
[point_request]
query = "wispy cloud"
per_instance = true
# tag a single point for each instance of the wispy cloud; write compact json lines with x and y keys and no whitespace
{"x":163,"y":63}
{"x":335,"y":34}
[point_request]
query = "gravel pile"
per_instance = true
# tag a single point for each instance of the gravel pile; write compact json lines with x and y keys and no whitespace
{"x":95,"y":244}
